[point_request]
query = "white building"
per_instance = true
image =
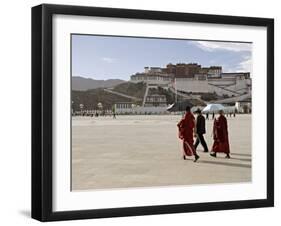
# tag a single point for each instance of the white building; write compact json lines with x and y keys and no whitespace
{"x":131,"y":108}
{"x":155,"y":100}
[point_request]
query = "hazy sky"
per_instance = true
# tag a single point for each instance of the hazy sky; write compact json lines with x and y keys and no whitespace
{"x":106,"y":57}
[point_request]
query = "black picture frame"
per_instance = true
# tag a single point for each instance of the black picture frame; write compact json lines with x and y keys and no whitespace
{"x":42,"y":111}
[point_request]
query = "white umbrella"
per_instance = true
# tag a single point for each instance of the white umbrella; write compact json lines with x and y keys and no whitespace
{"x":212,"y":108}
{"x":170,"y":106}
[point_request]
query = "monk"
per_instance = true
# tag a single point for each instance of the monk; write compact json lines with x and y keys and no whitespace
{"x":186,"y":129}
{"x":220,"y":134}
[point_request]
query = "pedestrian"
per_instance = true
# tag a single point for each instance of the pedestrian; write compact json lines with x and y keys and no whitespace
{"x":220,"y":135}
{"x":186,"y":131}
{"x":200,"y":130}
{"x":113,"y":112}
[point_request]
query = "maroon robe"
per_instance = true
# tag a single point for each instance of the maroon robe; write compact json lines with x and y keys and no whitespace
{"x":186,"y":127}
{"x":221,"y":143}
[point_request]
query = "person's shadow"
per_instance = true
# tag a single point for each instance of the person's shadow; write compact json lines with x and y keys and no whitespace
{"x":225,"y":164}
{"x":235,"y":158}
{"x":243,"y":160}
{"x":241,"y":154}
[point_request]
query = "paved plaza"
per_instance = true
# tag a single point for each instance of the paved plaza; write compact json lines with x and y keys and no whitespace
{"x":144,"y":151}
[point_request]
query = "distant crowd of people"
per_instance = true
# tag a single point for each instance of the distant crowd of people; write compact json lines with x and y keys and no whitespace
{"x":190,"y":128}
{"x":227,"y":114}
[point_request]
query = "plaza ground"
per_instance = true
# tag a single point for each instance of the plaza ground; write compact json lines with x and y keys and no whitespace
{"x":144,"y":151}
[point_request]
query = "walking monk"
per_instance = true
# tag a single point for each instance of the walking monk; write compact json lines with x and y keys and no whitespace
{"x":220,"y":133}
{"x":186,"y":127}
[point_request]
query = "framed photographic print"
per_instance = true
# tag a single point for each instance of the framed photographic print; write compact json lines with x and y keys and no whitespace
{"x":145,"y":112}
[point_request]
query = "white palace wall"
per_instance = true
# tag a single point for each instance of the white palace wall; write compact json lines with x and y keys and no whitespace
{"x":210,"y":86}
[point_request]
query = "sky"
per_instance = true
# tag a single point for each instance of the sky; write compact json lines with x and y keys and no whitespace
{"x":111,"y":57}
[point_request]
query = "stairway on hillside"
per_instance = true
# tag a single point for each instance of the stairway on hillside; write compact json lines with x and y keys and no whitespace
{"x":145,"y":94}
{"x":122,"y":94}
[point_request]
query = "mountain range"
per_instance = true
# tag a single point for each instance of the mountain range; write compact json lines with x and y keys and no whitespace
{"x":82,"y":84}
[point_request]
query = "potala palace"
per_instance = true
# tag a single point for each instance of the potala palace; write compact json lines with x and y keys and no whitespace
{"x":190,"y":81}
{"x":192,"y":78}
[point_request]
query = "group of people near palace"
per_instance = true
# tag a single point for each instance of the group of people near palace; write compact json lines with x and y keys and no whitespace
{"x":189,"y":127}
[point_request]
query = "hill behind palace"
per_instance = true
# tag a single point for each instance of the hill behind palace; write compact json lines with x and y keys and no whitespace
{"x":91,"y":97}
{"x":82,"y":84}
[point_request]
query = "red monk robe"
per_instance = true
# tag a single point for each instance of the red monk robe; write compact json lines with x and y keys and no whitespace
{"x":186,"y":127}
{"x":221,"y":143}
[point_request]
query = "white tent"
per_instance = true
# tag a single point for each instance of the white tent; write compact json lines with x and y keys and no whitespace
{"x":213,"y":108}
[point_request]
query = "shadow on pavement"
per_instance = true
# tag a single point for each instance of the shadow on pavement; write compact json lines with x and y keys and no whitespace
{"x":242,"y":154}
{"x":234,"y":158}
{"x":224,"y":163}
{"x":243,"y":160}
